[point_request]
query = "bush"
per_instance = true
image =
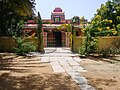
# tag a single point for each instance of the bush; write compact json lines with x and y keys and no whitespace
{"x":89,"y":45}
{"x":24,"y":47}
{"x":81,"y":50}
{"x":116,"y":48}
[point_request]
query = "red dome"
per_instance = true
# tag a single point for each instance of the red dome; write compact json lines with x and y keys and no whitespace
{"x":57,"y":9}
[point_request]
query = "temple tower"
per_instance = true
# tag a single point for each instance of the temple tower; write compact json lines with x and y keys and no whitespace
{"x":57,"y":15}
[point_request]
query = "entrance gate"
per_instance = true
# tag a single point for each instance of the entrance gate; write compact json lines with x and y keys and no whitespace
{"x":54,"y":39}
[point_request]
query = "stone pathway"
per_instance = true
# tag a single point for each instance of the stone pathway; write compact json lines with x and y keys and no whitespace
{"x":63,"y":60}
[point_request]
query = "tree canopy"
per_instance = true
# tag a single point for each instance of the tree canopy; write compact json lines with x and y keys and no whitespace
{"x":12,"y":11}
{"x":110,"y":11}
{"x":106,"y":22}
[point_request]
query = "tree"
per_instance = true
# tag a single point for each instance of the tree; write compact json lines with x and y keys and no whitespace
{"x":12,"y":11}
{"x":104,"y":23}
{"x":40,"y":38}
{"x":110,"y":11}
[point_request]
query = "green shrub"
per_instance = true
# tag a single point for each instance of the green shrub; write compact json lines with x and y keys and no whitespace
{"x":81,"y":50}
{"x":89,"y":45}
{"x":105,"y":52}
{"x":116,"y":48}
{"x":24,"y":47}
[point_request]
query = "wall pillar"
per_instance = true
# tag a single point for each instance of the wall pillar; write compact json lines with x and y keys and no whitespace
{"x":45,"y":39}
{"x":66,"y":33}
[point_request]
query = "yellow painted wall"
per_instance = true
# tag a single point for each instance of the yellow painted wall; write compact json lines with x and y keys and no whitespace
{"x":78,"y":42}
{"x":7,"y":43}
{"x":103,"y":42}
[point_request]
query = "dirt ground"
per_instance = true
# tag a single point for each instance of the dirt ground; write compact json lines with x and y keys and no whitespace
{"x":27,"y":73}
{"x":103,"y":73}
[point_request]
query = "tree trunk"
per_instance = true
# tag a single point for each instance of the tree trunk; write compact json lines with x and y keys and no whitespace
{"x":40,"y":37}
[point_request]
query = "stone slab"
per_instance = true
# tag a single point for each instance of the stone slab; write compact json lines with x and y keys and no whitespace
{"x":64,"y":62}
{"x":55,"y":63}
{"x":67,"y":67}
{"x":79,"y":69}
{"x":58,"y":69}
{"x":76,"y":75}
{"x":77,"y":66}
{"x":45,"y":59}
{"x":77,"y":59}
{"x":68,"y":58}
{"x":73,"y":74}
{"x":72,"y":62}
{"x":52,"y":59}
{"x":79,"y":80}
{"x":86,"y":87}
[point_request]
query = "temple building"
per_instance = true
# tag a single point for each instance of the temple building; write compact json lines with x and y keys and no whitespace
{"x":55,"y":30}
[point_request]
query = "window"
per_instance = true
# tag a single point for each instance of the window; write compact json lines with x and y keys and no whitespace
{"x":57,"y":20}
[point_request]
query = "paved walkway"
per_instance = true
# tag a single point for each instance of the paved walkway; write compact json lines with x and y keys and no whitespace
{"x":63,"y":60}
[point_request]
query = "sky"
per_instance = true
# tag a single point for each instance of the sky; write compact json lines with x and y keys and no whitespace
{"x":86,"y":8}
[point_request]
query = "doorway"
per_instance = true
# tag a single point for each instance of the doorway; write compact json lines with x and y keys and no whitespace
{"x":54,"y":39}
{"x":58,"y":39}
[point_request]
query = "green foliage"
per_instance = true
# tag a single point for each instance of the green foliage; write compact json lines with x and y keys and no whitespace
{"x":104,"y":23}
{"x":24,"y":47}
{"x":102,"y":27}
{"x":65,"y":26}
{"x":110,"y":11}
{"x":116,"y":47}
{"x":16,"y":30}
{"x":89,"y":45}
{"x":118,"y":28}
{"x":106,"y":52}
{"x":83,"y":22}
{"x":75,"y":20}
{"x":46,"y":22}
{"x":12,"y":11}
{"x":81,"y":50}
